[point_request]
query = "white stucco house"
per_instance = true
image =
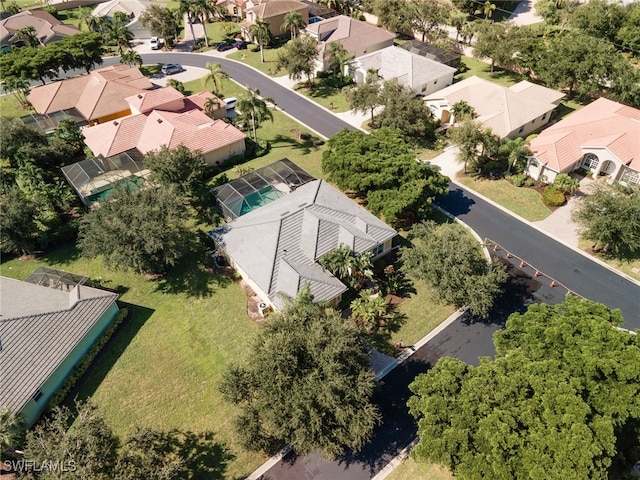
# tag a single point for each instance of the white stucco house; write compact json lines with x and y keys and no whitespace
{"x":132,"y":8}
{"x":602,"y":138}
{"x":516,"y":111}
{"x":420,"y":74}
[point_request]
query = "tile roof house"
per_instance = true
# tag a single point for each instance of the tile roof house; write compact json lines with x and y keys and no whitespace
{"x":358,"y":38}
{"x":48,"y":28}
{"x":603,"y":138}
{"x":132,"y":8}
{"x":511,"y":112}
{"x":45,"y":330}
{"x":164,"y":117}
{"x":97,"y":97}
{"x":276,"y":247}
{"x":272,"y":12}
{"x":420,"y":74}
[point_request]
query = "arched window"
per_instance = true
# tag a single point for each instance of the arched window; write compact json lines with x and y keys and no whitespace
{"x":590,"y":161}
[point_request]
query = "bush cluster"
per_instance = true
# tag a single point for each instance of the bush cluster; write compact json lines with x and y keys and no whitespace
{"x":552,"y":197}
{"x":86,"y":361}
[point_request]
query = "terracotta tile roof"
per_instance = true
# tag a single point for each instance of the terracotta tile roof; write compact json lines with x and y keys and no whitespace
{"x":603,"y":123}
{"x":98,"y":94}
{"x":149,"y":131}
{"x":149,"y":100}
{"x":46,"y":25}
{"x":502,"y":109}
{"x":199,"y":100}
{"x":274,"y":8}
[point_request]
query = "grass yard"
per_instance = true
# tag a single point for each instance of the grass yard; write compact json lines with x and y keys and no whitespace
{"x":470,"y":66}
{"x":10,"y":107}
{"x":525,"y":202}
{"x":625,"y":266}
{"x":253,"y":59}
{"x":221,"y":31}
{"x":326,"y":94}
{"x":410,"y":469}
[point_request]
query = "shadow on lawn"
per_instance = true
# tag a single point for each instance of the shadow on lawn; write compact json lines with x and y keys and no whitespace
{"x":304,"y":146}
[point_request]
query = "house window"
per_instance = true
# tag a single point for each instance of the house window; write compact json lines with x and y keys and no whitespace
{"x":435,"y":82}
{"x":544,"y":116}
{"x":533,"y":163}
{"x":630,"y":177}
{"x":378,"y":250}
{"x":521,"y":129}
{"x":590,"y":161}
{"x":38,"y":395}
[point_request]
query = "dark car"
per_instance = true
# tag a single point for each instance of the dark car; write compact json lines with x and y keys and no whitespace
{"x":223,"y":46}
{"x":171,"y":68}
{"x":240,"y":44}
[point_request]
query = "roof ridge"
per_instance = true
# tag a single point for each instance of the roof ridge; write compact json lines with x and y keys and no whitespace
{"x":52,"y":312}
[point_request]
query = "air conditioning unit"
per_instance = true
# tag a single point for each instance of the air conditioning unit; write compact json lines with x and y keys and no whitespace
{"x":263,"y":307}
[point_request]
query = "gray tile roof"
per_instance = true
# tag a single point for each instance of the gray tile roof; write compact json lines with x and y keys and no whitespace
{"x":278,"y":245}
{"x":39,"y":328}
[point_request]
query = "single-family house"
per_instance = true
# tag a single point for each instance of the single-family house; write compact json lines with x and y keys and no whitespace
{"x":47,"y":324}
{"x":420,"y":74}
{"x":272,"y":12}
{"x":133,"y":9}
{"x":97,"y":97}
{"x":48,"y":29}
{"x":358,"y":38}
{"x":602,"y":138}
{"x":235,"y":8}
{"x":165,"y":117}
{"x":281,"y":221}
{"x":515,"y":111}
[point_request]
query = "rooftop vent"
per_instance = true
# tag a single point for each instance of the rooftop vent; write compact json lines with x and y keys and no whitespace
{"x":159,"y":120}
{"x":115,"y":123}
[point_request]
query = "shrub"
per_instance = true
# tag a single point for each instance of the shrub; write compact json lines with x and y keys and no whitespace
{"x":490,"y":167}
{"x":519,"y":179}
{"x":86,"y":361}
{"x":552,"y":197}
{"x":566,"y":184}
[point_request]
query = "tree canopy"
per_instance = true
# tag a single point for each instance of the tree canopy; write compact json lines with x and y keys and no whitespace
{"x":178,"y":167}
{"x":139,"y":229}
{"x":298,"y":58}
{"x":382,"y":168}
{"x":559,"y":401}
{"x":308,"y":382}
{"x":405,"y":112}
{"x":611,"y":219}
{"x":452,"y":262}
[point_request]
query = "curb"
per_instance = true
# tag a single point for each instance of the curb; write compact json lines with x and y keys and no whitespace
{"x":397,"y":460}
{"x":549,"y":234}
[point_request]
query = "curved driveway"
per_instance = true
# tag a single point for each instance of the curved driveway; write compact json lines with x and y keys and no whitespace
{"x":304,"y":110}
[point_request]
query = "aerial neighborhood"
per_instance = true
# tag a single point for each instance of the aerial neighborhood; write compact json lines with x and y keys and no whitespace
{"x":320,"y":239}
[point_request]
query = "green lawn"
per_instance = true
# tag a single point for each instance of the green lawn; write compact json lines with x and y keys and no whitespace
{"x":625,"y":266}
{"x":221,"y":31}
{"x":470,"y":66}
{"x":10,"y":107}
{"x":409,"y":469}
{"x":326,"y":94}
{"x":525,"y":202}
{"x":253,"y":59}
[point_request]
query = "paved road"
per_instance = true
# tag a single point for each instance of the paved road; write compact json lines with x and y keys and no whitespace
{"x":303,"y":110}
{"x":577,"y":272}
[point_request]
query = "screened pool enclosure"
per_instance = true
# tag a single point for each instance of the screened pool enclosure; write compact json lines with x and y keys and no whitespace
{"x":95,"y":178}
{"x":257,"y":188}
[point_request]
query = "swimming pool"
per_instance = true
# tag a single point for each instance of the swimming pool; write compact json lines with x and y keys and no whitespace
{"x":256,"y":200}
{"x":133,"y":182}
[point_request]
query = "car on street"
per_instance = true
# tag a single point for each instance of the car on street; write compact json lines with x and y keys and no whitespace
{"x":240,"y":44}
{"x":171,"y":68}
{"x":223,"y":46}
{"x":155,"y":43}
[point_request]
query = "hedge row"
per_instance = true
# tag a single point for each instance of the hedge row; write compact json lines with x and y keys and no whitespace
{"x":86,"y":361}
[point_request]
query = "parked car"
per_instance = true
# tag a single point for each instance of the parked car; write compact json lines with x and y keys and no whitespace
{"x":231,"y":103}
{"x":155,"y":43}
{"x":240,"y":44}
{"x":223,"y":46}
{"x":171,"y":68}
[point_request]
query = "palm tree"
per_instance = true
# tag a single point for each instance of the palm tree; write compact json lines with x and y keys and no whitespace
{"x":462,"y":110}
{"x":338,"y":261}
{"x":28,"y":35}
{"x":260,"y":32}
{"x":202,"y":9}
{"x":18,"y":87}
{"x":131,"y":57}
{"x":216,"y":75}
{"x":212,"y":104}
{"x":11,"y":430}
{"x":187,"y":9}
{"x":515,"y":151}
{"x":293,"y":22}
{"x":255,"y":108}
{"x":488,"y":9}
{"x":338,"y":57}
{"x":369,"y":312}
{"x":120,"y":35}
{"x":177,"y":84}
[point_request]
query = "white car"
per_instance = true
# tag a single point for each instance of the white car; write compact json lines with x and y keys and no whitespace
{"x":231,"y":103}
{"x":155,"y":43}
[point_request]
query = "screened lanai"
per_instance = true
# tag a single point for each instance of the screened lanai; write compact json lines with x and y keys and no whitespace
{"x":58,"y":279}
{"x":95,"y":178}
{"x":47,"y":123}
{"x":257,"y":188}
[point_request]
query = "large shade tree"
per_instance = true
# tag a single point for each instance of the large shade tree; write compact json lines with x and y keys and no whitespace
{"x":299,"y":58}
{"x":559,"y":401}
{"x":308,"y":382}
{"x":178,"y":167}
{"x":139,"y":229}
{"x":381,"y":167}
{"x":451,"y":261}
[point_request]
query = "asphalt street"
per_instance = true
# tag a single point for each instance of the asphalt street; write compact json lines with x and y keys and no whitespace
{"x":577,"y":272}
{"x":305,"y":111}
